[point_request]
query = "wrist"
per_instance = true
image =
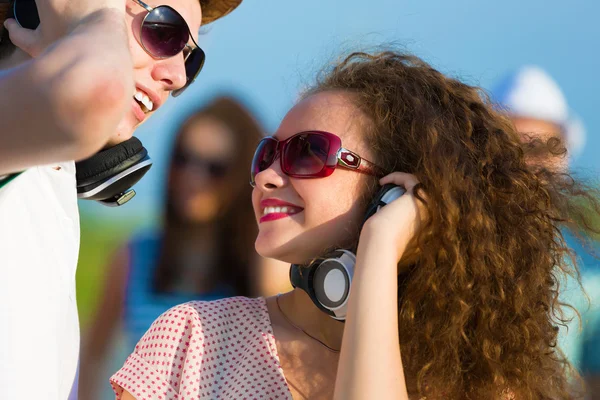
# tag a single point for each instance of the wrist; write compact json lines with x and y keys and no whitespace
{"x":379,"y":237}
{"x":382,"y":233}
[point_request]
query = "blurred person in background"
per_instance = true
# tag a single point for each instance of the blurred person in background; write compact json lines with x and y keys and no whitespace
{"x":205,"y":250}
{"x":538,"y":108}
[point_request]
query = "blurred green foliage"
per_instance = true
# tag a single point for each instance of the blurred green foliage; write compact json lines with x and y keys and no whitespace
{"x":100,"y":238}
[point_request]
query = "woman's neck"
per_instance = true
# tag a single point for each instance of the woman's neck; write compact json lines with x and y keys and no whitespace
{"x":299,"y":309}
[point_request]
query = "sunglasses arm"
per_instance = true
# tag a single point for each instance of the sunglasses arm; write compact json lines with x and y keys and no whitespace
{"x":146,"y":6}
{"x":351,"y":160}
{"x":192,"y":37}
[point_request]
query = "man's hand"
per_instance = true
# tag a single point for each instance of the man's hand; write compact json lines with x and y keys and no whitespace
{"x":67,"y":102}
{"x":58,"y":18}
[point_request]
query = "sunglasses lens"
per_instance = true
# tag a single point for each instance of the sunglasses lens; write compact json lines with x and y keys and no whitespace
{"x":26,"y":14}
{"x":306,"y":154}
{"x":193,"y":65}
{"x":164,"y":32}
{"x":263,"y":157}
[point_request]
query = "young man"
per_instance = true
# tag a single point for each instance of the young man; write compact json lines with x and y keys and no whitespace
{"x":95,"y":76}
{"x":538,"y":108}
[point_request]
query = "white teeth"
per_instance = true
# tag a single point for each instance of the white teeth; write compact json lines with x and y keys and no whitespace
{"x":144,"y":99}
{"x":148,"y":103}
{"x":284,"y":210}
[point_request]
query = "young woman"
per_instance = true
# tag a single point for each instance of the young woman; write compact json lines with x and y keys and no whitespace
{"x":454,"y":294}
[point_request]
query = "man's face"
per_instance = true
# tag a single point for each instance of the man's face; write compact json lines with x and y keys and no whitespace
{"x":154,"y":78}
{"x":543,"y":130}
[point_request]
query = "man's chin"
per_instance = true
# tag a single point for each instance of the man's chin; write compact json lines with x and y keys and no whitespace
{"x":125,"y":131}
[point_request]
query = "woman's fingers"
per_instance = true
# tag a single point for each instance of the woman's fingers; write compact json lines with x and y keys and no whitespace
{"x":408,"y":181}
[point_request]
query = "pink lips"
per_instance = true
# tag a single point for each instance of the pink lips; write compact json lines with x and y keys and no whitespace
{"x":288,"y":209}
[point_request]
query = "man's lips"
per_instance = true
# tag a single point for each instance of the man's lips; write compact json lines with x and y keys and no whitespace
{"x":137,"y":111}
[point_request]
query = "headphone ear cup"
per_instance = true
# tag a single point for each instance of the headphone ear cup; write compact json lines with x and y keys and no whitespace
{"x":301,"y":277}
{"x":327,"y":282}
{"x":112,"y":172}
{"x":331,"y":283}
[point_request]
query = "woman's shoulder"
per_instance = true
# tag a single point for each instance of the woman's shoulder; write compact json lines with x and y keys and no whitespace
{"x":213,"y":318}
{"x":206,"y":348}
{"x":200,"y":328}
{"x":222,"y":309}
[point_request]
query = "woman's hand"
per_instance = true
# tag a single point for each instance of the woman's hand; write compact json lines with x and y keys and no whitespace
{"x":59,"y":18}
{"x":370,"y":365}
{"x":400,"y":220}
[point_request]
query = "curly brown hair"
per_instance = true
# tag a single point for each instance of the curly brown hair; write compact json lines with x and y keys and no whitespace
{"x":479,"y":309}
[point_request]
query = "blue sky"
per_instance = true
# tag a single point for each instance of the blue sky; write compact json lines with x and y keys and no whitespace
{"x":267,"y":50}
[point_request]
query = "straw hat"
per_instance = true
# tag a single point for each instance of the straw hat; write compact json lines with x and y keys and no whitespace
{"x":215,"y":9}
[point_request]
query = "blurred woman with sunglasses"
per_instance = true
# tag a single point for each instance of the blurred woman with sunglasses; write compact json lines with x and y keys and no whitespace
{"x":205,"y":250}
{"x":455,"y":283}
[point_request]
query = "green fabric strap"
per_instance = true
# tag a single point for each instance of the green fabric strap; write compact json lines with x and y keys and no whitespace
{"x":4,"y":181}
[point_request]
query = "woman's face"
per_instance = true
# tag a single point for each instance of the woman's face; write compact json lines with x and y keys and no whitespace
{"x":200,"y":176}
{"x":323,"y":212}
{"x":155,"y":78}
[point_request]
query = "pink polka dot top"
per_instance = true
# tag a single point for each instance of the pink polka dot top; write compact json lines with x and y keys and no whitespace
{"x":223,"y":349}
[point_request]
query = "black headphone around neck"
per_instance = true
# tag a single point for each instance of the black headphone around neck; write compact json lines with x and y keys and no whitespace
{"x":108,"y":176}
{"x":327,"y":280}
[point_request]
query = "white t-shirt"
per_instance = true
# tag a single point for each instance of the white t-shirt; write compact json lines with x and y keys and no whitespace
{"x":39,"y":246}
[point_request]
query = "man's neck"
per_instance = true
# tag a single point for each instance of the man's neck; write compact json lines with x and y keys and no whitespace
{"x":16,"y":58}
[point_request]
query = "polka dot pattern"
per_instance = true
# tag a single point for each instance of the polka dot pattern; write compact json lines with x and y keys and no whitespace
{"x":215,"y":350}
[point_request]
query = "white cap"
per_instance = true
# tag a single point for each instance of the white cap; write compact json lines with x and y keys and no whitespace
{"x":530,"y":92}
